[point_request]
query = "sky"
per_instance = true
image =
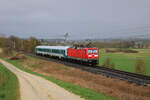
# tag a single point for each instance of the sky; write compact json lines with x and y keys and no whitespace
{"x":80,"y":18}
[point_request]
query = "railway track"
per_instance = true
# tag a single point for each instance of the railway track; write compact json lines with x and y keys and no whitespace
{"x":122,"y":75}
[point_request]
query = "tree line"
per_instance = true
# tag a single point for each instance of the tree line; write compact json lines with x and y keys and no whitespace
{"x":20,"y":44}
{"x":122,"y":44}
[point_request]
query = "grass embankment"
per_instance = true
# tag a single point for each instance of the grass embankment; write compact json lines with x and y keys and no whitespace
{"x":126,"y":61}
{"x":85,"y":84}
{"x":9,"y":85}
{"x":83,"y":92}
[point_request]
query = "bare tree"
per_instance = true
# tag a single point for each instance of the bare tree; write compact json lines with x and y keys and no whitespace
{"x":33,"y":42}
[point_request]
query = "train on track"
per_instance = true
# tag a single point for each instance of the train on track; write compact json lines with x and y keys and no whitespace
{"x":84,"y":55}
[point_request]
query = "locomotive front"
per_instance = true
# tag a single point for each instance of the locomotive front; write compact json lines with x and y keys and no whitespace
{"x":93,"y":55}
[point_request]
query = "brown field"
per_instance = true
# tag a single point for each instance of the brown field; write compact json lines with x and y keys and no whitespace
{"x":111,"y":87}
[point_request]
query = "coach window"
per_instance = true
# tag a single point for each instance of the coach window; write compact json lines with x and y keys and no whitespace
{"x":61,"y":51}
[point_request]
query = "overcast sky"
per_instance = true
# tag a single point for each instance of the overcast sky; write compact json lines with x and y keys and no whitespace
{"x":81,"y":18}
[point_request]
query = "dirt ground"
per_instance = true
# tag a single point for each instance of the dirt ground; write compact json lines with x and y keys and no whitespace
{"x":36,"y":88}
{"x":112,"y":87}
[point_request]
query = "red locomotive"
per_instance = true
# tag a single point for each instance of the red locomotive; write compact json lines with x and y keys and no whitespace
{"x":85,"y":55}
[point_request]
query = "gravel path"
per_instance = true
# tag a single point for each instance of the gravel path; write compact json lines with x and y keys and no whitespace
{"x":36,"y":88}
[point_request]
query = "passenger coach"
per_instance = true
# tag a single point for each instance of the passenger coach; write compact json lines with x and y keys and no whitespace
{"x":57,"y":51}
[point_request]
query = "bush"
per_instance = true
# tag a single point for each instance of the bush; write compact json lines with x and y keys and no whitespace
{"x":121,"y":50}
{"x":109,"y":64}
{"x":111,"y":50}
{"x":140,"y":67}
{"x":18,"y":56}
{"x":127,"y":50}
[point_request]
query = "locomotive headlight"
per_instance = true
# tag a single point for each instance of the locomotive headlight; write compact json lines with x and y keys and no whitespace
{"x":89,"y":55}
{"x":96,"y":55}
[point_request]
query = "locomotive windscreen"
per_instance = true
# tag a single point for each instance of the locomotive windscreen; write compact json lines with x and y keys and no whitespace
{"x":92,"y":51}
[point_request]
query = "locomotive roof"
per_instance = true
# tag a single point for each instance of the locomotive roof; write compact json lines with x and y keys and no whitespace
{"x":53,"y":47}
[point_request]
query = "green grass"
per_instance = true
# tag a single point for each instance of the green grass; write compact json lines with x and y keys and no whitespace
{"x":9,"y":85}
{"x":126,"y":61}
{"x":83,"y":92}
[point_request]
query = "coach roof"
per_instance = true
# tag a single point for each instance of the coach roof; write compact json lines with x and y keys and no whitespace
{"x":53,"y":47}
